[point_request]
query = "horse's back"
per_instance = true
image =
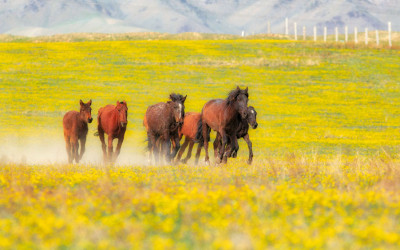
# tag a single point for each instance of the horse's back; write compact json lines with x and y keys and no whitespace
{"x":190,"y":124}
{"x":104,"y":118}
{"x":212,"y":111}
{"x":69,"y":119}
{"x":155,"y":116}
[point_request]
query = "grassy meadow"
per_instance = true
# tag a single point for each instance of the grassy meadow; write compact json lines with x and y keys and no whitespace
{"x":326,"y":168}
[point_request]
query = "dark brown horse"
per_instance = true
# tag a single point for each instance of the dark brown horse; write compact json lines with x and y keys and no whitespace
{"x":162,"y":121}
{"x":76,"y":128}
{"x":242,"y":132}
{"x":222,"y":116}
{"x":112,"y":120}
{"x":189,"y":130}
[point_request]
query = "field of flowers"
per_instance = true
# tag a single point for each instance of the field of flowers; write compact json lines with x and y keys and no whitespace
{"x":326,"y":170}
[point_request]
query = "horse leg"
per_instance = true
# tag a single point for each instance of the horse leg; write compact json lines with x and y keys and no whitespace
{"x":205,"y":136}
{"x":103,"y":145}
{"x":249,"y":144}
{"x":69,"y":148}
{"x":182,"y":149}
{"x":235,"y":150}
{"x":75,"y":148}
{"x":83,"y":144}
{"x":153,"y":148}
{"x":198,"y":153}
{"x":110,"y":148}
{"x":166,"y":147}
{"x":222,"y":148}
{"x":118,"y":149}
{"x":176,"y":146}
{"x":229,"y":148}
{"x":189,"y":154}
{"x":217,"y":144}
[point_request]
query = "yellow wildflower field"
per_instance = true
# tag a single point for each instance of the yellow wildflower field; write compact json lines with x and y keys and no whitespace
{"x":326,"y":168}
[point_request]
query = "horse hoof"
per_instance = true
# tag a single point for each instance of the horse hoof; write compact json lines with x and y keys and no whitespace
{"x":207,"y":162}
{"x":249,"y":162}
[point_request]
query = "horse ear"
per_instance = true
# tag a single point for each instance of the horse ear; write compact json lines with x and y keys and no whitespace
{"x":90,"y":102}
{"x":238,"y":88}
{"x":246,"y":90}
{"x":184,"y":99}
{"x":117,"y":103}
{"x":81,"y":103}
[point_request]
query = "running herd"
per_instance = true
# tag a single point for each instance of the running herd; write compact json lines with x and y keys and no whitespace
{"x":166,"y":123}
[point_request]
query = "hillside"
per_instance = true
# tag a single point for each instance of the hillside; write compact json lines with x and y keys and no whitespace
{"x":43,"y":17}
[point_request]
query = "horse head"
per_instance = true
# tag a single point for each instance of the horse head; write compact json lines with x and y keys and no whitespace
{"x":122,"y":109}
{"x":178,"y":107}
{"x":252,"y":117}
{"x":86,"y":111}
{"x":239,"y":98}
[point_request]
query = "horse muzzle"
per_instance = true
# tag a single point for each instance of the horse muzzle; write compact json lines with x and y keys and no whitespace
{"x":90,"y":120}
{"x":123,"y":124}
{"x":255,"y":126}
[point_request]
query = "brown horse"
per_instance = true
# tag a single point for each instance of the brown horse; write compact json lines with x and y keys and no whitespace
{"x":222,"y":116}
{"x":189,"y":130}
{"x":162,"y":121}
{"x":242,"y":132}
{"x":112,"y":120}
{"x":76,"y":128}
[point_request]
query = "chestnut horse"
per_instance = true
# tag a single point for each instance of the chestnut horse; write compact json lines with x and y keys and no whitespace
{"x":222,"y":116}
{"x":242,"y":132}
{"x":189,"y":130}
{"x":162,"y":121}
{"x":112,"y":120}
{"x":75,"y":126}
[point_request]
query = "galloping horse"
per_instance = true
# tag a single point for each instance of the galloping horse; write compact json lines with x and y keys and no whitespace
{"x":75,"y":126}
{"x":162,"y":121}
{"x":221,"y":116}
{"x":189,"y":130}
{"x":242,"y":131}
{"x":112,"y":120}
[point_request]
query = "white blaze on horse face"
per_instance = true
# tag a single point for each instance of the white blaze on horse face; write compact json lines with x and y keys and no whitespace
{"x":180,"y":111}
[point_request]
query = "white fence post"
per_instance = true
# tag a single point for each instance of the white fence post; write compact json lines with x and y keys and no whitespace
{"x":269,"y":28}
{"x":336,"y":34}
{"x":304,"y":33}
{"x":315,"y":33}
{"x":377,"y":37}
{"x":366,"y":36}
{"x":242,"y":33}
{"x":324,"y":34}
{"x":355,"y":35}
{"x":286,"y":26}
{"x":295,"y":31}
{"x":346,"y":33}
{"x":390,"y":33}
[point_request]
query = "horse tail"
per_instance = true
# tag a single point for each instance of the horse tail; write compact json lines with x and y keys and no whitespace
{"x":199,"y":133}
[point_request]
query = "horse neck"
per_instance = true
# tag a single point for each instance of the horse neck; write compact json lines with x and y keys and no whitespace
{"x":115,"y":118}
{"x":232,"y":111}
{"x":81,"y":118}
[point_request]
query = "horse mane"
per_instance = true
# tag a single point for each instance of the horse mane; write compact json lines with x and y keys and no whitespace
{"x":233,"y":94}
{"x":176,"y":97}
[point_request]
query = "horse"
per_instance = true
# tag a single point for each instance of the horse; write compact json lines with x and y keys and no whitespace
{"x":242,"y":132}
{"x":222,"y":116}
{"x":162,"y":121}
{"x":112,"y":120}
{"x":75,"y":126}
{"x":189,"y":130}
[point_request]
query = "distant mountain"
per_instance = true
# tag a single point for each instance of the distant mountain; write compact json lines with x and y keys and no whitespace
{"x":46,"y":17}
